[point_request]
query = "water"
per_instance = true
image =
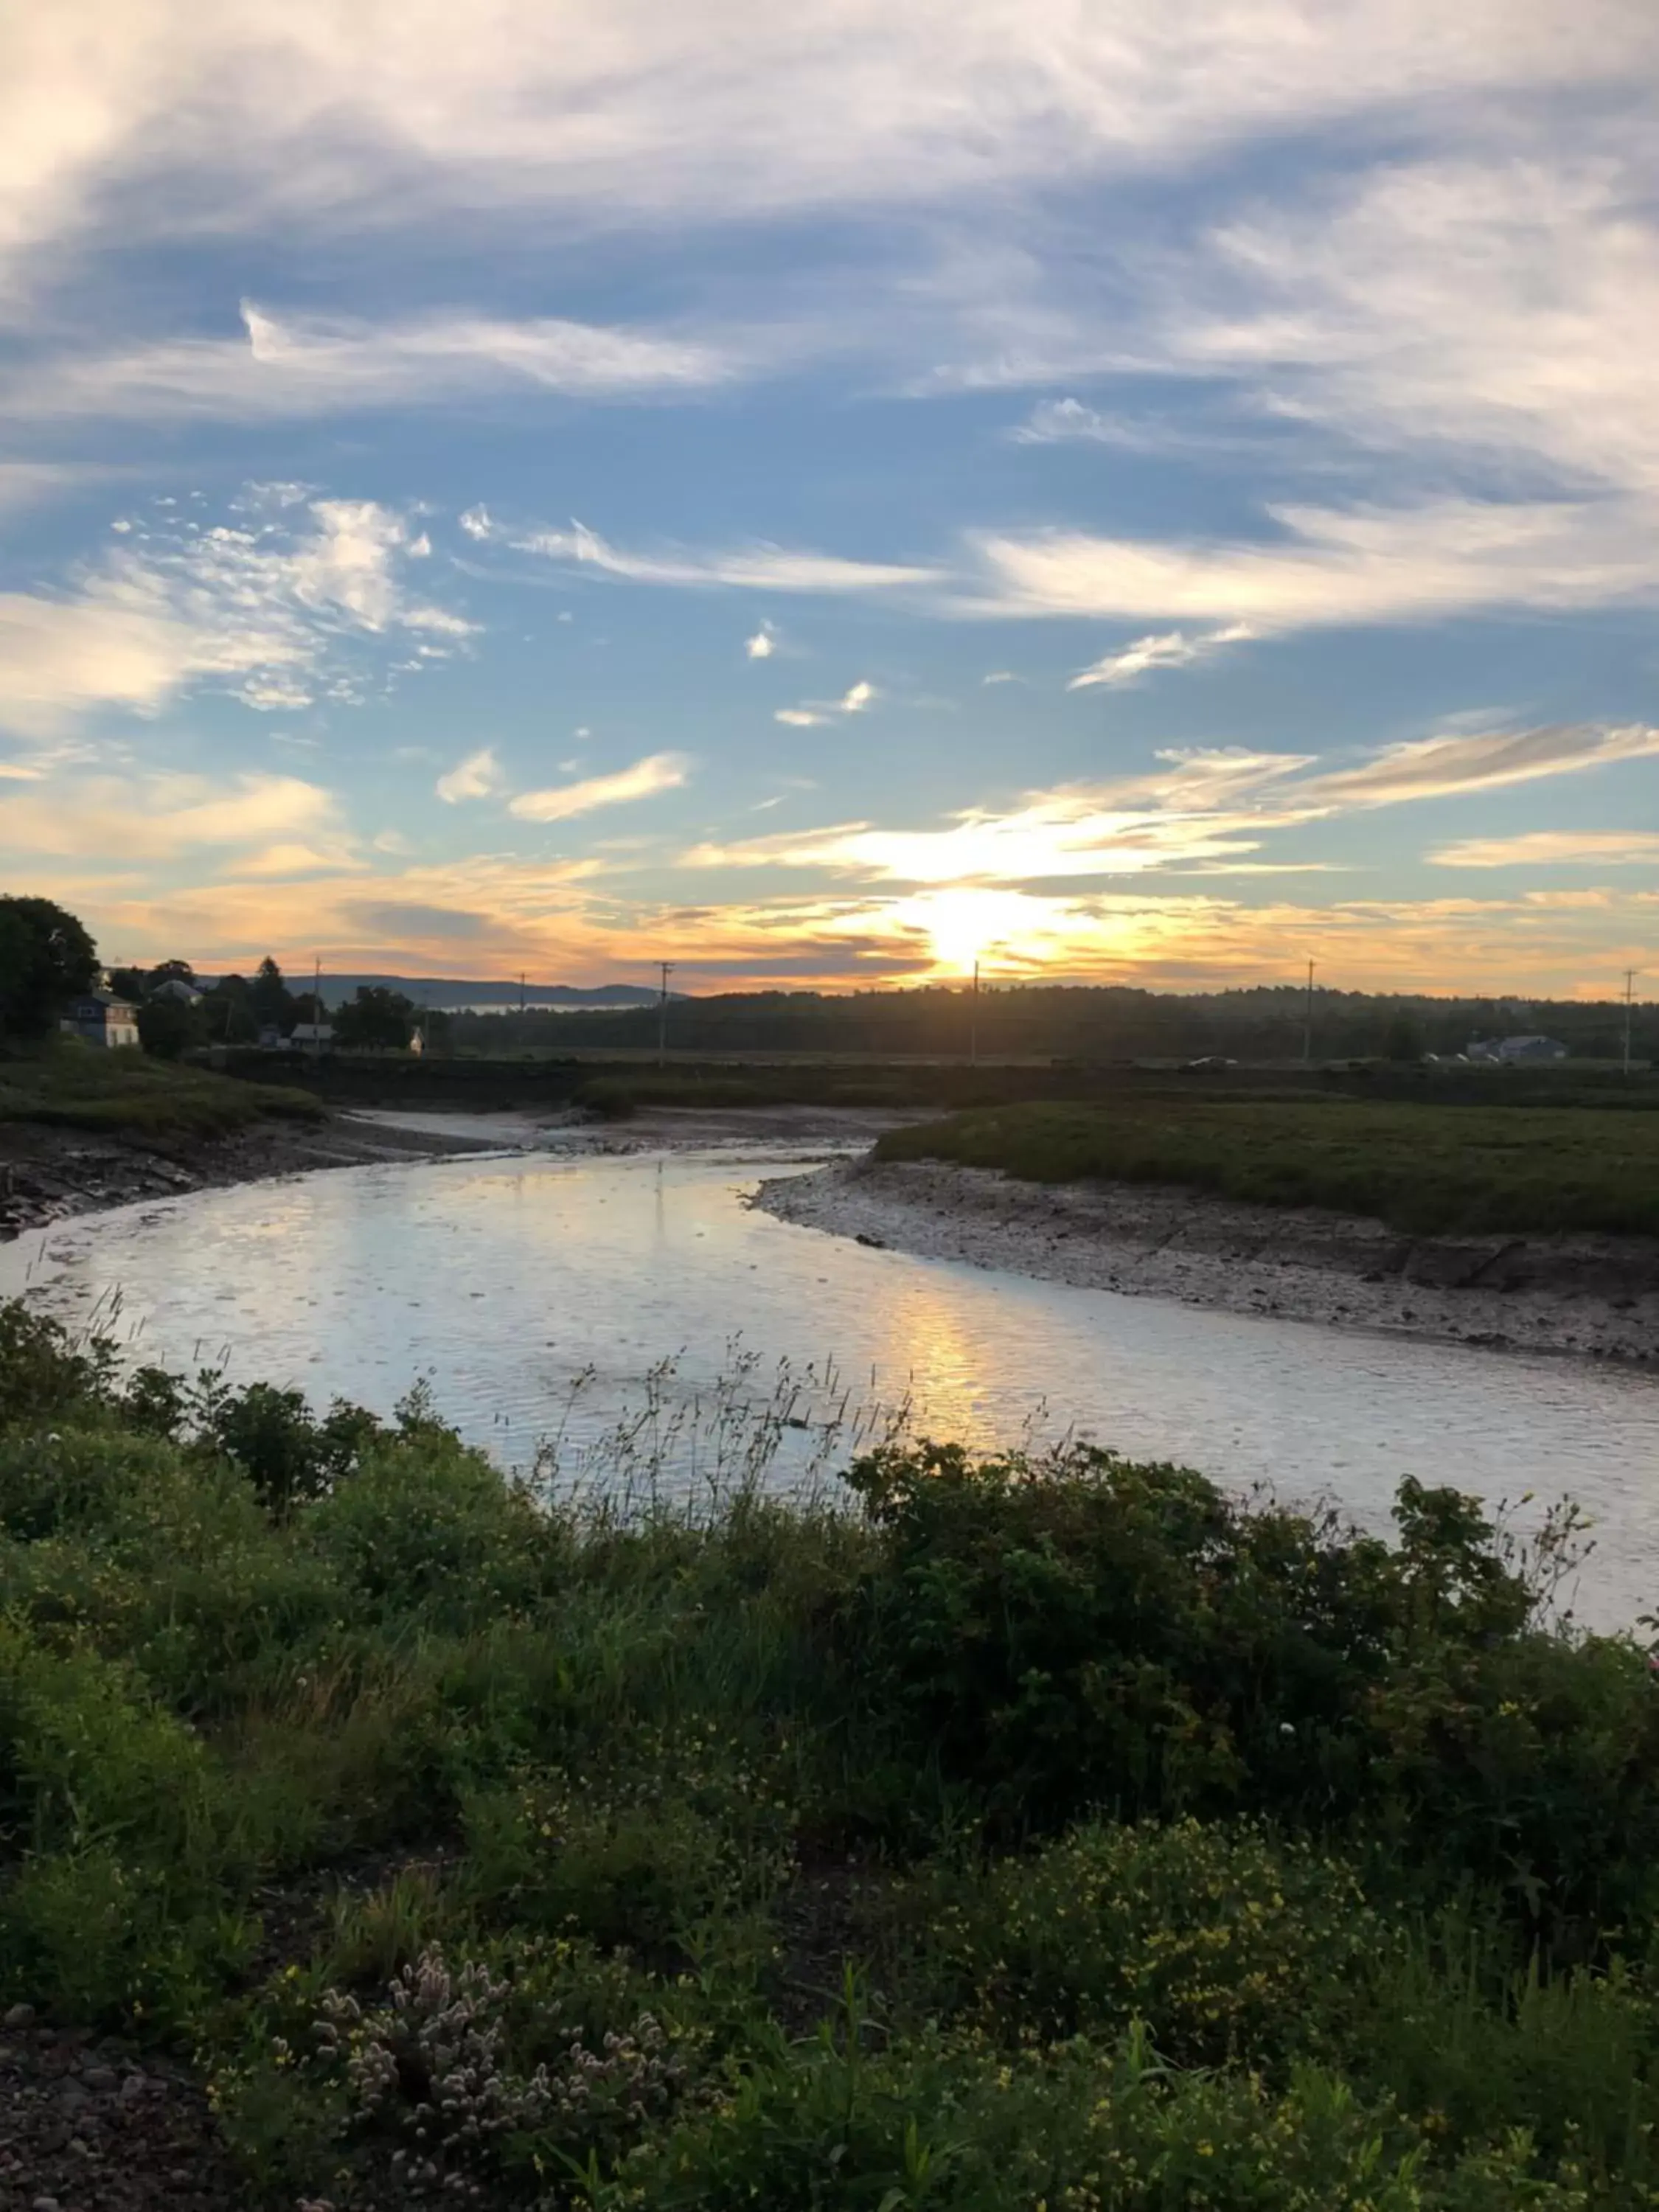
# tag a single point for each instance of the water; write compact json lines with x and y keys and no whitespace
{"x":537,"y":1294}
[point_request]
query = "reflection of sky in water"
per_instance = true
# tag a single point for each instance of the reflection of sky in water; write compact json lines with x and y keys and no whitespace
{"x":535,"y":1294}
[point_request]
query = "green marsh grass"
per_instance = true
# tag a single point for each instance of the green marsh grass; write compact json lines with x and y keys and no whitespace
{"x":1424,"y":1170}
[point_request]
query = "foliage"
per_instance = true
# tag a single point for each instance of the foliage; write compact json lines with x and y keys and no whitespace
{"x":169,"y":1028}
{"x":72,"y":1085}
{"x":378,"y":1019}
{"x":1422,"y":1168}
{"x":1056,"y":1834}
{"x":45,"y":958}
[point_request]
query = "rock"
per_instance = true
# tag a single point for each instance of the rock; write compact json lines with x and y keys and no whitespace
{"x":100,"y":2078}
{"x":133,"y":2088}
{"x":45,"y":2205}
{"x":72,"y":2097}
{"x":19,"y":2015}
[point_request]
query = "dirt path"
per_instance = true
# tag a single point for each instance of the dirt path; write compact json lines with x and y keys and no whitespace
{"x":1589,"y":1296}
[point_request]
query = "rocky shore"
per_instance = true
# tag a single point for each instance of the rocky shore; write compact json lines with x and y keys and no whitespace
{"x":49,"y":1174}
{"x":1590,"y":1296}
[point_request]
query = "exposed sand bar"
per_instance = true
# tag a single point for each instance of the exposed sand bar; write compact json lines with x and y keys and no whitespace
{"x":1593,"y":1295}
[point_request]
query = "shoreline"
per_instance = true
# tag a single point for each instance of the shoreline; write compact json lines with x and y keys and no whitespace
{"x":1585,"y":1297}
{"x":49,"y":1174}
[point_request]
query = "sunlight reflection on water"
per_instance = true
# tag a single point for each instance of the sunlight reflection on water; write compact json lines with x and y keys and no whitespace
{"x":539,"y":1292}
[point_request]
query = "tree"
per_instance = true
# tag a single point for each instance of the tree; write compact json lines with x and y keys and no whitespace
{"x":1403,"y":1038}
{"x":171,"y":971}
{"x":169,"y":1028}
{"x":45,"y":958}
{"x":376,"y":1020}
{"x":228,"y":1011}
{"x":127,"y":983}
{"x":272,"y":1001}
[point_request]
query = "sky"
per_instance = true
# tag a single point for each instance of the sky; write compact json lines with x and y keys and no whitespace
{"x":1154,"y":491}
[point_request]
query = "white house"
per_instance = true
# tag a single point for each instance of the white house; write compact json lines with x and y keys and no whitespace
{"x":311,"y":1037}
{"x":101,"y":1018}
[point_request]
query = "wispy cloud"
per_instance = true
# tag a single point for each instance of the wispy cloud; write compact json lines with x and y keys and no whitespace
{"x":756,"y":567}
{"x":150,"y":816}
{"x":1330,"y":566}
{"x":300,"y":366}
{"x":1171,"y":649}
{"x":812,"y":712}
{"x":1554,"y":848}
{"x":644,"y":780}
{"x":1438,"y":767}
{"x":478,"y":776}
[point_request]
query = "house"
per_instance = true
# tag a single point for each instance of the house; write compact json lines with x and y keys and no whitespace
{"x":311,"y":1037}
{"x":270,"y":1036}
{"x":175,"y":987}
{"x":101,"y":1018}
{"x":1516,"y":1051}
{"x":418,"y":1044}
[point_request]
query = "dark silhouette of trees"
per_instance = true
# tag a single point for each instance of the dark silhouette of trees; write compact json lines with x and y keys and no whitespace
{"x":46,"y":956}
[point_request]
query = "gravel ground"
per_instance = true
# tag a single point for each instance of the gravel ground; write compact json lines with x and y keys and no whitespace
{"x":1589,"y":1296}
{"x":86,"y":2127}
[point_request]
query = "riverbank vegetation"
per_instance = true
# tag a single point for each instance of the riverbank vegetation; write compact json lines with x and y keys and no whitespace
{"x":984,"y":1836}
{"x":66,"y":1085}
{"x":1422,"y":1168}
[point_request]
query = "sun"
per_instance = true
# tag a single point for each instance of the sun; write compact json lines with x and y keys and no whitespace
{"x":964,"y":925}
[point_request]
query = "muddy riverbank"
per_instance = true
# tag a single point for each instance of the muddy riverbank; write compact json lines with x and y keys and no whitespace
{"x":1596,"y":1297}
{"x":54,"y":1175}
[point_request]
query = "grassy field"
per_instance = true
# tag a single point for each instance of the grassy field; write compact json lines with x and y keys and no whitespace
{"x":1422,"y":1168}
{"x":1074,"y":1843}
{"x":76,"y":1086}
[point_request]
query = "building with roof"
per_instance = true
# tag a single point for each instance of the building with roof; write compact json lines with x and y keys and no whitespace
{"x":100,"y":1017}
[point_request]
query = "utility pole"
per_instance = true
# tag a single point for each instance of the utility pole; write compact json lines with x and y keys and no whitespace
{"x":317,"y":1009}
{"x":522,"y":994}
{"x":1629,"y":988}
{"x":1307,"y":1022}
{"x":667,"y":967}
{"x":973,"y":1021}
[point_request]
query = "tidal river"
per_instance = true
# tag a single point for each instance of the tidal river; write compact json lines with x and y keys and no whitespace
{"x":636,"y":1312}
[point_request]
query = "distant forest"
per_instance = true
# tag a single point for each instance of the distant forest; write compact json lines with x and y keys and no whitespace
{"x":1068,"y":1021}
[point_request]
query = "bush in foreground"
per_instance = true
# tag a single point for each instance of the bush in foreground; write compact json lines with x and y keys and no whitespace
{"x":1022,"y":1835}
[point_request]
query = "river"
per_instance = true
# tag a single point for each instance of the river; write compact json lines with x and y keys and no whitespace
{"x":637,"y":1312}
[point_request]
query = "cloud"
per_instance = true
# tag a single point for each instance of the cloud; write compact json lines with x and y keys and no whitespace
{"x":272,"y":604}
{"x":300,"y":366}
{"x":1435,"y":768}
{"x":756,"y":567}
{"x":1002,"y":676}
{"x":762,"y":645}
{"x":1554,"y":848}
{"x":327,"y":117}
{"x":157,"y":817}
{"x":1330,"y":566}
{"x":853,"y":701}
{"x":1172,"y":649}
{"x":1197,"y":808}
{"x":478,"y":776}
{"x":660,"y":772}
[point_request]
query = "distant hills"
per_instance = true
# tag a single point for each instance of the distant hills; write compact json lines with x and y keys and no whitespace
{"x":455,"y":995}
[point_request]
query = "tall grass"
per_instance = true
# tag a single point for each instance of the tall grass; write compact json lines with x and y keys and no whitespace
{"x":1424,"y":1170}
{"x":1007,"y":1833}
{"x":71,"y":1086}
